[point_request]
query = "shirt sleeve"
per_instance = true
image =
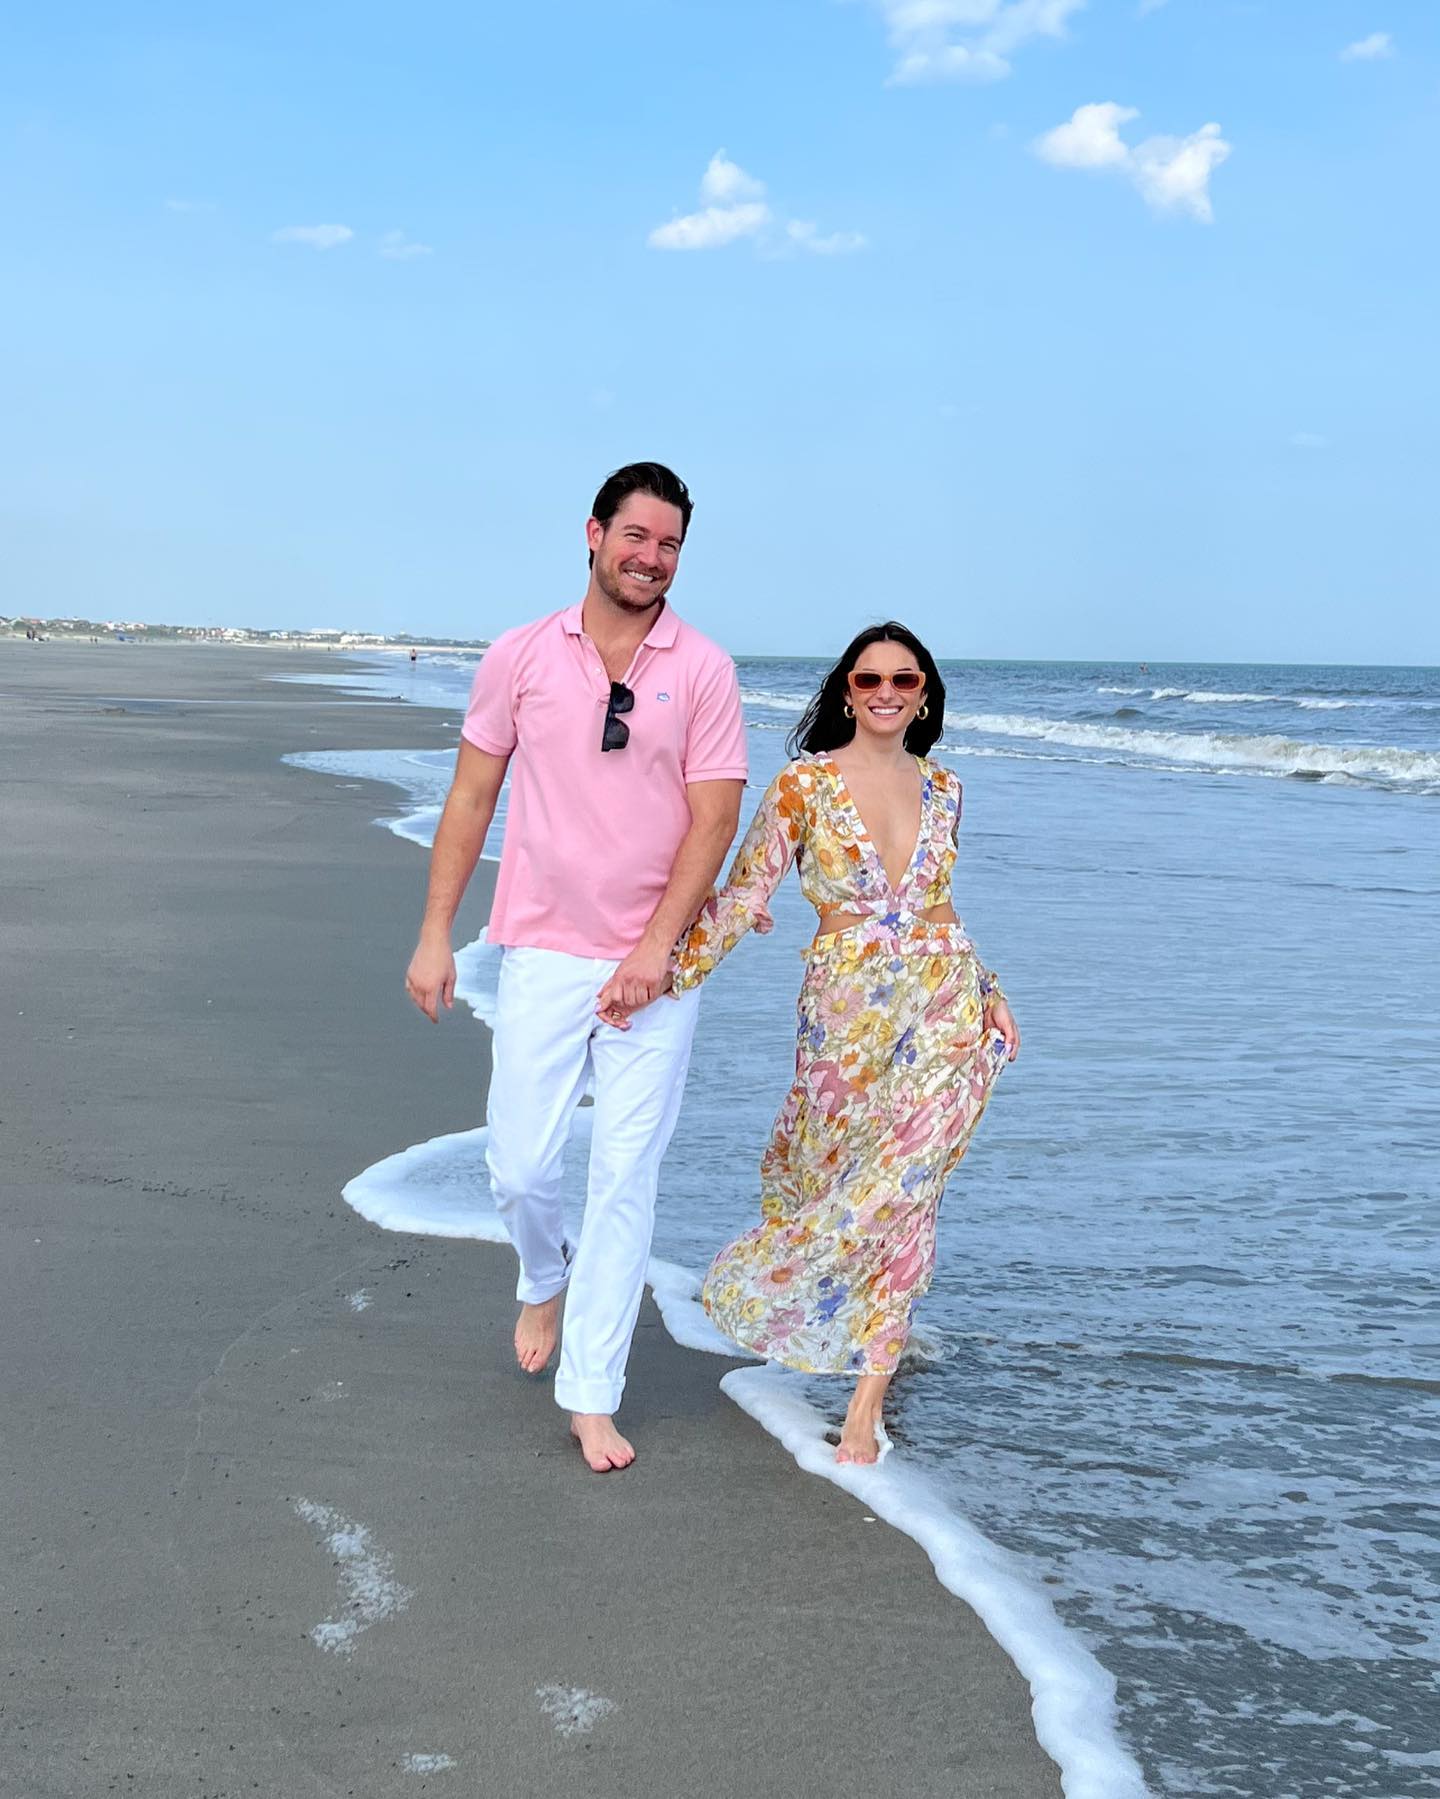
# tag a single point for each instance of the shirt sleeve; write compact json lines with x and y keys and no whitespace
{"x":742,"y":904}
{"x":490,"y":718}
{"x":715,"y":742}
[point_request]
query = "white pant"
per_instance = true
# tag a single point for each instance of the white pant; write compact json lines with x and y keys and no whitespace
{"x":547,"y":1040}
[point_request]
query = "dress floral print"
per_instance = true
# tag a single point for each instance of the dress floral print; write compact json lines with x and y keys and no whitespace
{"x":893,"y":1067}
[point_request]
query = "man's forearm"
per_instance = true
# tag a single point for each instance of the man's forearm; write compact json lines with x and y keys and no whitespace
{"x":697,"y":862}
{"x":458,"y":842}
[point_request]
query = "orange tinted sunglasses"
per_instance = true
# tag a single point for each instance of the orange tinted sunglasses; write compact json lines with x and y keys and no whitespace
{"x":905,"y":680}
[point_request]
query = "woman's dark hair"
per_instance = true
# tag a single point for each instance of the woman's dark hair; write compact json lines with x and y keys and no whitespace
{"x":825,"y":726}
{"x":651,"y":478}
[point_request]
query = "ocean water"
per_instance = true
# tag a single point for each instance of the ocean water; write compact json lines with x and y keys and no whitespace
{"x":1182,"y":1353}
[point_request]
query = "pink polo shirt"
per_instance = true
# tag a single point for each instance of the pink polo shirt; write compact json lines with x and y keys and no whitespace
{"x":591,"y":835}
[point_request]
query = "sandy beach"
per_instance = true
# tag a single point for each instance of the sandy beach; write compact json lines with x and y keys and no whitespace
{"x":282,"y":1518}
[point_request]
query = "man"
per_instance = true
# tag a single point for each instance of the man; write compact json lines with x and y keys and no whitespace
{"x":622,"y":730}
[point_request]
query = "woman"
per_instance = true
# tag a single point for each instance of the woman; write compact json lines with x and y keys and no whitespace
{"x":901,"y":1031}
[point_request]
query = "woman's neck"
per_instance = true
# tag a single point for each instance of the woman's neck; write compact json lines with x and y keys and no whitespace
{"x":883,"y":758}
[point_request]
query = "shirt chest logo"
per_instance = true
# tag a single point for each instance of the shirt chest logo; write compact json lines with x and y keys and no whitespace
{"x":662,"y":696}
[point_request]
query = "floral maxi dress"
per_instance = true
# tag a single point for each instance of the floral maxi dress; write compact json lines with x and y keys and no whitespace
{"x":893,"y":1067}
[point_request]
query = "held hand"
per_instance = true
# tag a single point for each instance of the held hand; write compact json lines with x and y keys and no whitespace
{"x":430,"y":978}
{"x":998,"y":1017}
{"x":637,"y":981}
{"x":612,"y":1010}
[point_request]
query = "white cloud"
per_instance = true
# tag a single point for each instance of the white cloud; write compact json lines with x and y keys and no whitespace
{"x":1090,"y":139}
{"x":396,"y":247}
{"x":710,"y":229}
{"x":725,"y":183}
{"x":1309,"y":440}
{"x":1378,"y":45}
{"x":1171,"y":173}
{"x":1016,"y":24}
{"x":948,"y":62}
{"x":965,"y":40}
{"x":1146,"y":7}
{"x":734,"y":207}
{"x":190,"y":206}
{"x":839,"y":243}
{"x":317,"y":237}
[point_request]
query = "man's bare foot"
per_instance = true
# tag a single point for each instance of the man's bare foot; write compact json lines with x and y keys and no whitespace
{"x":600,"y":1443}
{"x":537,"y":1330}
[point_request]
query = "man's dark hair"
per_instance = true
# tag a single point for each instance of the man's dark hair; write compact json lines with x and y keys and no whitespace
{"x":651,"y":478}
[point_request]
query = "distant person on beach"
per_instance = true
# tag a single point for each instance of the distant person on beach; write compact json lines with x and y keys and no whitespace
{"x":902,"y":1030}
{"x":622,"y":730}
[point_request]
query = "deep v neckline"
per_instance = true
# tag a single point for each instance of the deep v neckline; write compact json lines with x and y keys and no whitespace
{"x":862,"y":831}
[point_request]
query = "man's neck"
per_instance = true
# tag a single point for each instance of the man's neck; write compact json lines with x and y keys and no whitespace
{"x":609,"y":626}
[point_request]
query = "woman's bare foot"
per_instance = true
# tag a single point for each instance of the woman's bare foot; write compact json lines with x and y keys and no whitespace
{"x":600,"y":1443}
{"x":859,"y":1441}
{"x":537,"y":1330}
{"x":862,"y":1436}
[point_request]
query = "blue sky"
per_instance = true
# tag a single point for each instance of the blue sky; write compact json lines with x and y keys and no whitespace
{"x":980,"y":325}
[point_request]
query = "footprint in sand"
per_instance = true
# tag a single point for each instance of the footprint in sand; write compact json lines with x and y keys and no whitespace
{"x":572,"y":1710}
{"x":366,"y":1575}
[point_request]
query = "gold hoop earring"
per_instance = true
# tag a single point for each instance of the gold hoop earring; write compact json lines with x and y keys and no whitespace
{"x":924,"y":711}
{"x":849,"y":710}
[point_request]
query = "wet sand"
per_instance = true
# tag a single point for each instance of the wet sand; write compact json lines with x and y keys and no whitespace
{"x":281,"y":1515}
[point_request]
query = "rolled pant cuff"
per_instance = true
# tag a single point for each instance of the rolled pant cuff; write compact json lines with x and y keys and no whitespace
{"x":588,"y":1395}
{"x":534,"y":1293}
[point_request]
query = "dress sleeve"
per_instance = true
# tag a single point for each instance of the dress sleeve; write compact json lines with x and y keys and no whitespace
{"x":990,"y":988}
{"x":742,"y":904}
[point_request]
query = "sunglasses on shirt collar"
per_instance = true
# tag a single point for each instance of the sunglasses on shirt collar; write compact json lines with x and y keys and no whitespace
{"x":905,"y":680}
{"x":617,"y":733}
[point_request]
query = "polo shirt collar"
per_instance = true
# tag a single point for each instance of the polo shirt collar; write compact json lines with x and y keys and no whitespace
{"x":660,"y":636}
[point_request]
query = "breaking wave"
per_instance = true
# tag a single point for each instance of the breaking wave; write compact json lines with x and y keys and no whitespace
{"x":775,"y":702}
{"x":1226,"y":752}
{"x":1200,"y":696}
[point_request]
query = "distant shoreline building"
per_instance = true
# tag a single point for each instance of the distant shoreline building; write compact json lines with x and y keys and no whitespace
{"x":329,"y":637}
